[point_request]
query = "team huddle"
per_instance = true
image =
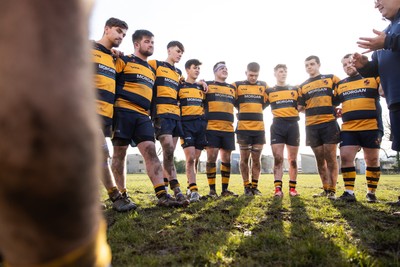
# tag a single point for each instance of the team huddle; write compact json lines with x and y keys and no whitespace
{"x":143,"y":100}
{"x":139,"y":101}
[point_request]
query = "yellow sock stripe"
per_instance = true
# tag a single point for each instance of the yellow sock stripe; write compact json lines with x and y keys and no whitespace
{"x":373,"y":175}
{"x":349,"y":174}
{"x":225,"y":171}
{"x":158,"y":185}
{"x":211,"y":181}
{"x":225,"y":180}
{"x":174,"y":183}
{"x":166,"y":181}
{"x":112,"y":189}
{"x":349,"y":183}
{"x":278,"y":183}
{"x":211,"y":175}
{"x":159,"y":189}
{"x":326,"y":186}
{"x":193,"y":188}
{"x":211,"y":171}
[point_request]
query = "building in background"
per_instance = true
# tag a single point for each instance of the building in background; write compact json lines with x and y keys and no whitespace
{"x":135,"y":164}
{"x":235,"y":161}
{"x":360,"y":165}
{"x":308,"y":163}
{"x":267,"y":164}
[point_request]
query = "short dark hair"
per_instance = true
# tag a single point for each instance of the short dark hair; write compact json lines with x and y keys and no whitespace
{"x":138,"y":35}
{"x":253,"y":66}
{"x":347,"y":56}
{"x":176,"y":43}
{"x":191,"y":62}
{"x":313,"y":57}
{"x":280,"y":66}
{"x":114,"y":22}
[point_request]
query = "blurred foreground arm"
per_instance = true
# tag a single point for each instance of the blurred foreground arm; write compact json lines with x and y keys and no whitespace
{"x":49,"y":163}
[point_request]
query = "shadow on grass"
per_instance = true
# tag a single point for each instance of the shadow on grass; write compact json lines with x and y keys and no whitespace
{"x":287,"y":237}
{"x":308,"y":243}
{"x":376,"y":231}
{"x":267,"y":237}
{"x":196,"y":235}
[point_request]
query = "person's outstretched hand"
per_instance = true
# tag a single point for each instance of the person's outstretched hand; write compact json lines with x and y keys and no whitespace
{"x":372,"y":43}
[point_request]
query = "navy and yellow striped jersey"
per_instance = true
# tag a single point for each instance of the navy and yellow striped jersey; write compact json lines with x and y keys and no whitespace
{"x":166,"y":90}
{"x":135,"y":81}
{"x":220,"y":100}
{"x":250,"y":103}
{"x":191,"y":100}
{"x":104,"y":80}
{"x":316,"y":95}
{"x":283,"y":101}
{"x":361,"y":110}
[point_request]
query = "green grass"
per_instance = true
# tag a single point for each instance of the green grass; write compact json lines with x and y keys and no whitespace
{"x":258,"y":231}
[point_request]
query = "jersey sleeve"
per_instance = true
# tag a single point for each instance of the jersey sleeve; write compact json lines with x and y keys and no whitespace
{"x":153,"y":63}
{"x":301,"y":101}
{"x":119,"y":65}
{"x":266,"y":98}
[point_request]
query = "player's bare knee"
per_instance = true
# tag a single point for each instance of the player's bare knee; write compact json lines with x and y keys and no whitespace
{"x":293,"y":163}
{"x":278,"y":159}
{"x":168,"y":155}
{"x":190,"y":161}
{"x":256,"y":164}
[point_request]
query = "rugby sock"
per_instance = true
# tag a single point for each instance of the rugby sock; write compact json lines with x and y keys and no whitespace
{"x":225,"y":174}
{"x":278,"y":184}
{"x":349,"y":177}
{"x":332,"y":189}
{"x":175,"y":186}
{"x":326,"y":187}
{"x":247,"y":184}
{"x":193,"y":187}
{"x":373,"y":174}
{"x":160,"y":190}
{"x":124,"y":190}
{"x":112,"y":190}
{"x":113,"y":193}
{"x":166,"y":182}
{"x":292,"y":184}
{"x":254,"y":183}
{"x":174,"y":183}
{"x":211,"y":169}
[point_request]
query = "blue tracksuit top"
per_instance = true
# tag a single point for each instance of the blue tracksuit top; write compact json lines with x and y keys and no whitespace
{"x":386,"y":63}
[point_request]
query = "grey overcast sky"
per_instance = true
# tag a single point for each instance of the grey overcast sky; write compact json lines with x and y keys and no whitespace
{"x":239,"y":32}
